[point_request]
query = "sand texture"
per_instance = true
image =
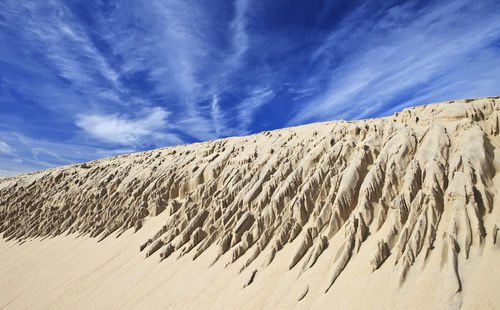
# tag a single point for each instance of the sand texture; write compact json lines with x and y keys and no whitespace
{"x":397,"y":212}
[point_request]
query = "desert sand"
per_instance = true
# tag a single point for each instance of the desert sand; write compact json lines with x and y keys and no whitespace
{"x":398,"y":212}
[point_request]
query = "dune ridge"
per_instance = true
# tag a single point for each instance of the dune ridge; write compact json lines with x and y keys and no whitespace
{"x":392,"y":190}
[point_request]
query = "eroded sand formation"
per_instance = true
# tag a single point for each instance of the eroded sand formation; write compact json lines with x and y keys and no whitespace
{"x":421,"y":178}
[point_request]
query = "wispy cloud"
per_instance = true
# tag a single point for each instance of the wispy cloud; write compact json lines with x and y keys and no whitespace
{"x":6,"y":149}
{"x":240,"y":39}
{"x":51,"y":33}
{"x":409,"y":51}
{"x":217,"y":115}
{"x":125,"y":130}
{"x":249,"y":106}
{"x":34,"y":154}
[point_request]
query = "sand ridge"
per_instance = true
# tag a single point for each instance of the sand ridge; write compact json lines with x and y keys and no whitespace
{"x":387,"y":191}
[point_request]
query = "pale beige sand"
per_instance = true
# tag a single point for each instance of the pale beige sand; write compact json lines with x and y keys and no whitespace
{"x":397,"y":212}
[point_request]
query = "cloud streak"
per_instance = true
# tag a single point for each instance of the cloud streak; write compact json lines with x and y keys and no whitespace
{"x":6,"y":149}
{"x":428,"y":54}
{"x":249,"y":106}
{"x":124,"y":130}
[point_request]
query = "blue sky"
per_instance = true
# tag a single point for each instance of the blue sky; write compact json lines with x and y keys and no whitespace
{"x":81,"y":80}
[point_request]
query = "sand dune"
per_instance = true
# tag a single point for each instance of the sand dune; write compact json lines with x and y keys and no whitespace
{"x":395,"y":212}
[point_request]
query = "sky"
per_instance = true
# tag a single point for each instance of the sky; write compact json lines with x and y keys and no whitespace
{"x":87,"y":79}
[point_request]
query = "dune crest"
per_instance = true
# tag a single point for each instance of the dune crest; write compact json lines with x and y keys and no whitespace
{"x":385,"y":192}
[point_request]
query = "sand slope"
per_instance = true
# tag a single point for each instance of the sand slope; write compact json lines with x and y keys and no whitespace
{"x":396,"y":212}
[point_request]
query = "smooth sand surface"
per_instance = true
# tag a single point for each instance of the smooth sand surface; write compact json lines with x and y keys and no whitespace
{"x":398,"y":212}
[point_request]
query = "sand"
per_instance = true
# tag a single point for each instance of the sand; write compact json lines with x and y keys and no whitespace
{"x":397,"y":212}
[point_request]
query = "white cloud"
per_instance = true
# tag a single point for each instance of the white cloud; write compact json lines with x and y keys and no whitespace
{"x":13,"y":172}
{"x":249,"y":106}
{"x":54,"y":51}
{"x":188,"y":61}
{"x":65,"y":43}
{"x":6,"y":149}
{"x":125,"y":130}
{"x":217,"y":115}
{"x":36,"y":154}
{"x":437,"y":53}
{"x":197,"y":126}
{"x":185,"y":47}
{"x":240,"y":35}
